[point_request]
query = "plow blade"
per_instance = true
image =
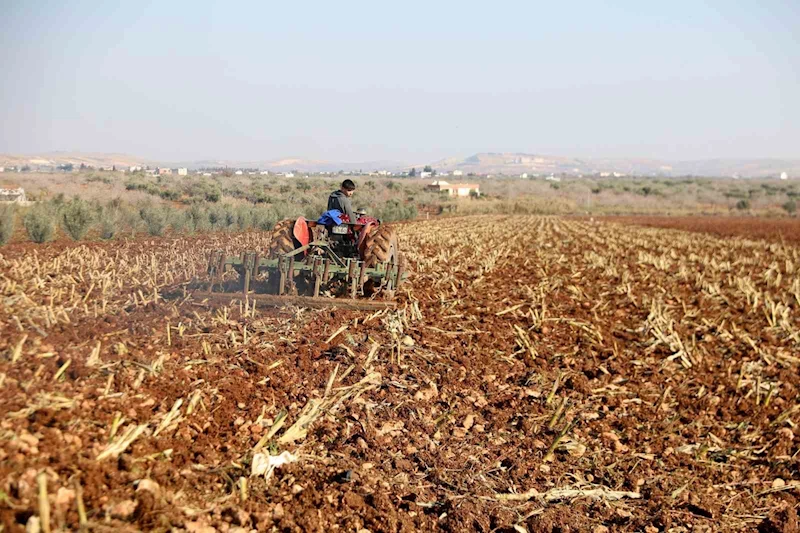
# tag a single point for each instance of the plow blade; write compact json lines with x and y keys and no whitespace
{"x":272,"y":281}
{"x":272,"y":300}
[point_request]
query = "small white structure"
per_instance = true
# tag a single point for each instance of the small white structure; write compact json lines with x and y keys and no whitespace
{"x":264,"y":172}
{"x":164,"y":171}
{"x":524,"y":175}
{"x":289,"y":175}
{"x":134,"y":168}
{"x":183,"y":172}
{"x":458,"y":173}
{"x":238,"y":172}
{"x":784,"y":176}
{"x":553,"y":178}
{"x":455,"y":189}
{"x":2,"y":169}
{"x":425,"y":175}
{"x":14,"y":196}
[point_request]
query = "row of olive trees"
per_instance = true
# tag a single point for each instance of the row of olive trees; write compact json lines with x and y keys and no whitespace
{"x":78,"y":218}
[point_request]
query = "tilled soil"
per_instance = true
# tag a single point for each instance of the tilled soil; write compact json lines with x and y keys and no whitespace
{"x":773,"y":229}
{"x":540,"y":374}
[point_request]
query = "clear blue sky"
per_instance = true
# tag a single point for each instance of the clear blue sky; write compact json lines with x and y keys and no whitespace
{"x":408,"y":81}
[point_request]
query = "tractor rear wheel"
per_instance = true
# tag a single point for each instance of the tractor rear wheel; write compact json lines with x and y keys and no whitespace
{"x":382,"y":246}
{"x":282,"y":240}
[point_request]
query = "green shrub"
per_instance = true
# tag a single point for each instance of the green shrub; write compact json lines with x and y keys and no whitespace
{"x":95,"y":178}
{"x":109,"y":223}
{"x":230,"y":218}
{"x":197,"y":218}
{"x":394,"y":210}
{"x":40,"y":223}
{"x":790,"y":207}
{"x":179,"y":221}
{"x":213,"y":194}
{"x":59,"y":200}
{"x":743,"y":204}
{"x":7,"y":220}
{"x":313,"y":210}
{"x":264,"y":219}
{"x":76,"y":218}
{"x":214,"y":217}
{"x":262,"y":198}
{"x":169,"y":194}
{"x":244,"y":218}
{"x":155,"y":220}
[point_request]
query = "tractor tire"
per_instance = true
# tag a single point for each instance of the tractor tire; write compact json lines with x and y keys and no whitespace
{"x":382,"y":246}
{"x":282,"y":240}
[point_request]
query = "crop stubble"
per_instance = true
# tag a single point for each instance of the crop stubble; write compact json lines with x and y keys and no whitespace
{"x":540,"y":373}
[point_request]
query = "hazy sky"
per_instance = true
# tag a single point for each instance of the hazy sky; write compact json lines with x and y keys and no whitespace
{"x":409,"y":81}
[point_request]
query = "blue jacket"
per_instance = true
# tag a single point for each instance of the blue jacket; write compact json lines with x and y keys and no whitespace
{"x":332,"y":217}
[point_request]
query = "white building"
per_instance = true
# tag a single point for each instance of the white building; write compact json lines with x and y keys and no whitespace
{"x":524,"y":175}
{"x":134,"y":168}
{"x":183,"y":172}
{"x":784,"y":176}
{"x":289,"y":175}
{"x":425,"y":175}
{"x":15,"y":196}
{"x":455,"y":189}
{"x":458,"y":173}
{"x":2,"y":169}
{"x":238,"y":172}
{"x":264,"y":172}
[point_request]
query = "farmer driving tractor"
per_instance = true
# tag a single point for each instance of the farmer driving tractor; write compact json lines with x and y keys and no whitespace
{"x":340,"y":199}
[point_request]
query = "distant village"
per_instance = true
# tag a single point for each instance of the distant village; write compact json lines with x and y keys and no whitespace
{"x":426,"y":173}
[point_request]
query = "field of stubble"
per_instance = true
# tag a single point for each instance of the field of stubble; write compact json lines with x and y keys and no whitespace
{"x":539,"y":374}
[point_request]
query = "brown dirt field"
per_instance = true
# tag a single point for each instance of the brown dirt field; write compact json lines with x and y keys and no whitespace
{"x":542,"y":374}
{"x":773,"y":229}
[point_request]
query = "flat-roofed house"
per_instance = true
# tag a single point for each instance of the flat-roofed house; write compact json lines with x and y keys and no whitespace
{"x":455,"y":189}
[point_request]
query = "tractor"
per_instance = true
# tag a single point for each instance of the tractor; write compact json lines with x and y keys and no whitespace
{"x":330,"y":262}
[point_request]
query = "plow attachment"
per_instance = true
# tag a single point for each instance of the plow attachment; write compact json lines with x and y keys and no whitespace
{"x":309,"y":276}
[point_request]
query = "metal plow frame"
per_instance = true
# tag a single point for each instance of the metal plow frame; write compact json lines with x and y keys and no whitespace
{"x":322,"y":269}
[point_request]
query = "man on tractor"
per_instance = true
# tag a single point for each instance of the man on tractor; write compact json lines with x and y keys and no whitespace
{"x":340,"y":199}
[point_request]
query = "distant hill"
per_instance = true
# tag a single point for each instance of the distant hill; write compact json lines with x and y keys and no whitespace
{"x":295,"y":163}
{"x":506,"y":163}
{"x":519,"y":163}
{"x":75,"y":158}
